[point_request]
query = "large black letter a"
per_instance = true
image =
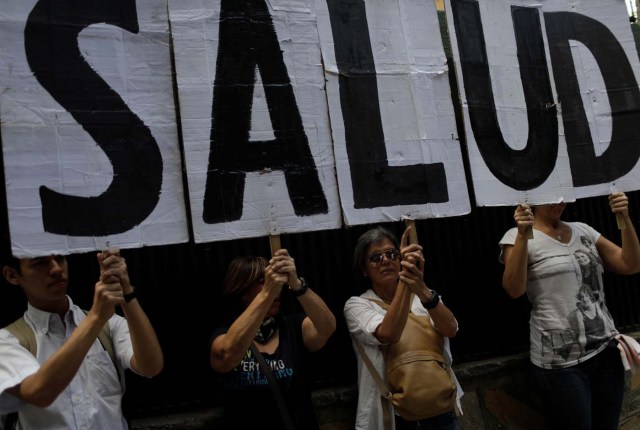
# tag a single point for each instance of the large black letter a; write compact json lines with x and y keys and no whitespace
{"x":248,"y":39}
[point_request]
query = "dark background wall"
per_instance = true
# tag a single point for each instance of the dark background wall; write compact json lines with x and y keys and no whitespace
{"x":180,"y":285}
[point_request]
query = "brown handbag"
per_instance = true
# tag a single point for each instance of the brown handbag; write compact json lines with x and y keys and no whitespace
{"x":420,"y":384}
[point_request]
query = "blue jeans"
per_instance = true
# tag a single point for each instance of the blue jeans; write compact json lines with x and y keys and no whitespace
{"x":446,"y":421}
{"x":585,"y":396}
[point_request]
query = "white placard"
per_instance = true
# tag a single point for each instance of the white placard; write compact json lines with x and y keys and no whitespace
{"x":568,"y":90}
{"x":266,"y":167}
{"x":393,"y":123}
{"x":100,"y":141}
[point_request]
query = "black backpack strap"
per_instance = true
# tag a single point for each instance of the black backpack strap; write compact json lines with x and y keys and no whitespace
{"x":11,"y":421}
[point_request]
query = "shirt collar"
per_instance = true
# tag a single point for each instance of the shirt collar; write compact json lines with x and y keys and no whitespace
{"x":41,"y":319}
{"x":370,"y":294}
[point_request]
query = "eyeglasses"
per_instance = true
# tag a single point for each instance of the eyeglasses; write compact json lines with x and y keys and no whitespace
{"x":390,"y":254}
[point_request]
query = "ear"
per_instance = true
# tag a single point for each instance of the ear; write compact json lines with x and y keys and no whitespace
{"x":11,"y":275}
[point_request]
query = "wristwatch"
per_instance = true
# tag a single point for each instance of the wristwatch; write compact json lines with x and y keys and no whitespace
{"x":435,"y":299}
{"x":130,"y":296}
{"x":303,"y":288}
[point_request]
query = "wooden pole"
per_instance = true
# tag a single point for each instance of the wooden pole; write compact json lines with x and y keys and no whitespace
{"x":413,"y":233}
{"x":529,"y":232}
{"x":274,"y":243}
{"x":620,"y":221}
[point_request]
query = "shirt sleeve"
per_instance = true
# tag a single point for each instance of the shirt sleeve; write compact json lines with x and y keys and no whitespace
{"x":17,"y":364}
{"x":509,"y":238}
{"x":593,"y":234}
{"x":362,"y":319}
{"x":121,"y":341}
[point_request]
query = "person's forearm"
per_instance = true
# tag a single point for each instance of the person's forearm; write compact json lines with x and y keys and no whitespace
{"x":43,"y":387}
{"x":443,"y":320}
{"x":235,"y":343}
{"x":514,"y":279}
{"x":322,"y":319}
{"x":442,"y":317}
{"x":147,"y":359}
{"x":319,"y":313}
{"x":392,"y":326}
{"x":630,"y":246}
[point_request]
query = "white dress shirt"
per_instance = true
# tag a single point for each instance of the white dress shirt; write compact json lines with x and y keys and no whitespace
{"x":93,"y":399}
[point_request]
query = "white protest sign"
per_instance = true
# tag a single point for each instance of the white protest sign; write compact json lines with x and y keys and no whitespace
{"x":392,"y":117}
{"x":89,"y":136}
{"x":550,"y":98}
{"x":257,"y":140}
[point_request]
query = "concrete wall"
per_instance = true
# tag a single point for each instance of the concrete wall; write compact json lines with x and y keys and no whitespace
{"x":498,"y":395}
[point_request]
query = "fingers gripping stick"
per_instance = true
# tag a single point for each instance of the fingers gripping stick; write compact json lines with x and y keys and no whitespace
{"x":619,"y":217}
{"x":528,"y":231}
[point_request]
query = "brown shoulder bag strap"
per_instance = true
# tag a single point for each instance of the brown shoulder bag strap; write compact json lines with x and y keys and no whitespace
{"x":385,"y":393}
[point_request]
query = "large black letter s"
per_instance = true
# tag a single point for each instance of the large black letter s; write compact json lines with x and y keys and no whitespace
{"x":51,"y":45}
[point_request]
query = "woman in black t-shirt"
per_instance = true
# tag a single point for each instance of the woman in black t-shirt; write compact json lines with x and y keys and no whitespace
{"x":285,"y":342}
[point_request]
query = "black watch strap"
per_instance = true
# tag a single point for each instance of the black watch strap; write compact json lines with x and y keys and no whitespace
{"x":132,"y":295}
{"x":303,"y":287}
{"x":435,"y":299}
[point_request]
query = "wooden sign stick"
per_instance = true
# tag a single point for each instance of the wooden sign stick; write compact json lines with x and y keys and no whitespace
{"x":620,"y":221}
{"x":274,"y":243}
{"x":413,"y":233}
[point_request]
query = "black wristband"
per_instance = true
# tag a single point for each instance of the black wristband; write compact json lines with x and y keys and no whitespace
{"x":303,"y":288}
{"x":435,"y":299}
{"x":132,"y":295}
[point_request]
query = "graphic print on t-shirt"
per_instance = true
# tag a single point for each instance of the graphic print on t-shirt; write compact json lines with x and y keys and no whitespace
{"x":249,"y":372}
{"x":589,"y":261}
{"x":589,"y":322}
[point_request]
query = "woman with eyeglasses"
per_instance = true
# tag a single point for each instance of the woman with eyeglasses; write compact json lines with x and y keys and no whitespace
{"x":391,"y":277}
{"x":254,"y":287}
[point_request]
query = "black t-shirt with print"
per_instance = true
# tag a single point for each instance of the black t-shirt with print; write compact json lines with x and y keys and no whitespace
{"x":248,"y":400}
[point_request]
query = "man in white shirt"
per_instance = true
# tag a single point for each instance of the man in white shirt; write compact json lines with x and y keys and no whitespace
{"x":72,"y":383}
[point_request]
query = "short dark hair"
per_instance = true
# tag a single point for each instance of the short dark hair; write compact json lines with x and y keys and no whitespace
{"x":6,"y":253}
{"x":242,"y":273}
{"x":370,"y":237}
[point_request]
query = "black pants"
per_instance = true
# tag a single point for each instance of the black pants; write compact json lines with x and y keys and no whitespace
{"x":446,"y":421}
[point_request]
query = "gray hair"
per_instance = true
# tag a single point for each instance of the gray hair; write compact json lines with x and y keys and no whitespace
{"x":373,"y":236}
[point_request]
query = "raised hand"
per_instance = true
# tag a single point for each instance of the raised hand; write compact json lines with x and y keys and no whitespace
{"x":523,"y":217}
{"x":412,"y":264}
{"x":113,"y":269}
{"x":619,"y":203}
{"x":284,"y":264}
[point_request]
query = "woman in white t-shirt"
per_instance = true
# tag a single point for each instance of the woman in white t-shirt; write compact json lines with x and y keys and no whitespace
{"x":392,"y":272}
{"x":576,"y":365}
